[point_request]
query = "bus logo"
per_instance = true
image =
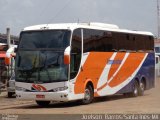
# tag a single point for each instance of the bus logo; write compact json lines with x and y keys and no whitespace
{"x":114,"y":62}
{"x":38,"y":87}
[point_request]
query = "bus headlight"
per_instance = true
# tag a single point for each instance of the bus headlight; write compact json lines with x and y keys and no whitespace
{"x":20,"y":88}
{"x":60,"y":89}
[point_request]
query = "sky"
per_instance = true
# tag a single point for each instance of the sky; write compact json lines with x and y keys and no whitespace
{"x":127,"y":14}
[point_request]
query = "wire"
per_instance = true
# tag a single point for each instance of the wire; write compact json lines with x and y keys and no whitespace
{"x":44,"y":9}
{"x":59,"y":11}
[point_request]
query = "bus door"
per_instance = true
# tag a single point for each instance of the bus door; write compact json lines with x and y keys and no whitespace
{"x":76,"y":53}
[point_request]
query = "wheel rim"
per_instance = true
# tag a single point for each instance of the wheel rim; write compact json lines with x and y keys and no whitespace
{"x":87,"y":95}
{"x":142,"y":86}
{"x":135,"y":90}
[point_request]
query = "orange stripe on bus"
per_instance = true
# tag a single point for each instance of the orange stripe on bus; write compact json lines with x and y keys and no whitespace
{"x":128,"y":68}
{"x":92,"y":69}
{"x":114,"y":67}
{"x":96,"y":94}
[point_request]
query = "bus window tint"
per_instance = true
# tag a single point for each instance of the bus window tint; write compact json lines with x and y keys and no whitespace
{"x":97,"y":40}
{"x":107,"y":41}
{"x":44,"y":39}
{"x":76,"y":51}
{"x":157,"y":49}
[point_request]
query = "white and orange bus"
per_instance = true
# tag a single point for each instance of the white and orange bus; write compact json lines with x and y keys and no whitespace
{"x":80,"y":61}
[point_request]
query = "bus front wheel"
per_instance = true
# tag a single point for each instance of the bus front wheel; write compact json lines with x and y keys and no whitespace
{"x":10,"y":94}
{"x":43,"y":103}
{"x":88,"y":95}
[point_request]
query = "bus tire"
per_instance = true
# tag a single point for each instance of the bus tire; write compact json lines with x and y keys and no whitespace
{"x":43,"y":103}
{"x":141,"y":88}
{"x":88,"y":95}
{"x":10,"y":94}
{"x":135,"y":91}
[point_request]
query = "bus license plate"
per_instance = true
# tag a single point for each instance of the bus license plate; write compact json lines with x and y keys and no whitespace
{"x":40,"y":96}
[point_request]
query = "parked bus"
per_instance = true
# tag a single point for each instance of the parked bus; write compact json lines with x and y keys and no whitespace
{"x":81,"y":61}
{"x":6,"y":64}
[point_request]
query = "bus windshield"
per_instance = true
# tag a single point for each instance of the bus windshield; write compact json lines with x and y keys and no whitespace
{"x":40,"y":56}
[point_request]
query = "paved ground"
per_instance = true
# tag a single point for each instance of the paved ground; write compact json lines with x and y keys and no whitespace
{"x":149,"y":103}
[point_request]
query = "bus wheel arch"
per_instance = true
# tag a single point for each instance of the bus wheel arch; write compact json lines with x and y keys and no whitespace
{"x":88,"y":93}
{"x":145,"y":82}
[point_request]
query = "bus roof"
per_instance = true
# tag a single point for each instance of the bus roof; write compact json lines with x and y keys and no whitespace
{"x":92,"y":25}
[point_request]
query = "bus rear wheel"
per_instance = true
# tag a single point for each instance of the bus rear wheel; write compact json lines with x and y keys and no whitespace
{"x":135,"y":91}
{"x":43,"y":103}
{"x":88,"y":95}
{"x":141,"y":89}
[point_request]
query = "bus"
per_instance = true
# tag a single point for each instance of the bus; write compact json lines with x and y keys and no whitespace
{"x":81,"y":61}
{"x":6,"y":63}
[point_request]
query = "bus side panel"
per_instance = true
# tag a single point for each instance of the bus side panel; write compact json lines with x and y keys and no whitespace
{"x":110,"y":72}
{"x":92,"y":70}
{"x":147,"y":71}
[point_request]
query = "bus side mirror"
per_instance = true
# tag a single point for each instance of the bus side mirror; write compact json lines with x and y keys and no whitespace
{"x":10,"y":52}
{"x":67,"y":55}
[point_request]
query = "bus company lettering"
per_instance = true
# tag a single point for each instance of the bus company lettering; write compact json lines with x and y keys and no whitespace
{"x":114,"y":61}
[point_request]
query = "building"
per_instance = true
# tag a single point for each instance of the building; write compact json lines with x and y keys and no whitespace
{"x":3,"y":39}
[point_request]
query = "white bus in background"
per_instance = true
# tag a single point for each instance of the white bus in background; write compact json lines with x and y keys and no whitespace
{"x":10,"y":54}
{"x":157,"y":50}
{"x":80,"y":61}
{"x":157,"y":55}
{"x":7,"y":64}
{"x":157,"y":67}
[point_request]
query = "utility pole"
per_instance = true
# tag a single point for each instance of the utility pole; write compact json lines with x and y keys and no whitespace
{"x":9,"y":45}
{"x":158,"y":18}
{"x":8,"y":38}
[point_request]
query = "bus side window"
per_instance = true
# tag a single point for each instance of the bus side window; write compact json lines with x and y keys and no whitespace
{"x":76,"y":49}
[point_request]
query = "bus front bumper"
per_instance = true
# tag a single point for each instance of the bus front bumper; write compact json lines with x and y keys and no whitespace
{"x":43,"y":96}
